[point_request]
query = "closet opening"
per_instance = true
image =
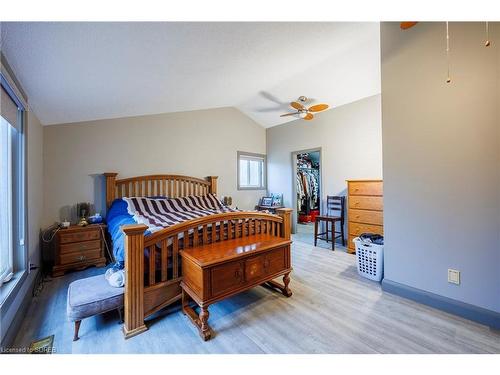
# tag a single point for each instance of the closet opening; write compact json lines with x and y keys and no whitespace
{"x":307,"y":188}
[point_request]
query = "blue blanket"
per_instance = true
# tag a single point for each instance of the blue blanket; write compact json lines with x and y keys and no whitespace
{"x":116,"y":217}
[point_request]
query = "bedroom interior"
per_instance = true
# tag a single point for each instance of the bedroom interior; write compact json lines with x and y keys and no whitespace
{"x":206,"y":205}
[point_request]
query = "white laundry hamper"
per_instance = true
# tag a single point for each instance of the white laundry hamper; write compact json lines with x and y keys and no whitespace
{"x":369,"y":259}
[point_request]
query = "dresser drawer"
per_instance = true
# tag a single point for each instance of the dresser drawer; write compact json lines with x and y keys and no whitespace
{"x":366,"y":217}
{"x":366,"y":188}
{"x":226,"y":277}
{"x":79,"y":236}
{"x":356,"y":229}
{"x":80,"y":246}
{"x":80,"y":256}
{"x":366,"y":203}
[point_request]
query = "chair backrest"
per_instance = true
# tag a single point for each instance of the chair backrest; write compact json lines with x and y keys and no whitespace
{"x":335,"y":206}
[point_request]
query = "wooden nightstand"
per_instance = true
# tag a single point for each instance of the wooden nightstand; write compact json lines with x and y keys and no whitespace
{"x":78,"y":248}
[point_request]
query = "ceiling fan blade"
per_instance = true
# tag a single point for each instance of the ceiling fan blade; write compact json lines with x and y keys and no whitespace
{"x":407,"y":25}
{"x":296,"y":105}
{"x":318,"y":107}
{"x":289,"y":114}
{"x":309,"y":116}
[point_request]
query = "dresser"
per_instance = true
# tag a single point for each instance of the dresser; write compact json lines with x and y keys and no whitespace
{"x":79,"y":247}
{"x":365,"y":209}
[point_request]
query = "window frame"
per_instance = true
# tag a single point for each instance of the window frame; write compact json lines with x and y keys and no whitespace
{"x":249,"y":156}
{"x":19,"y":216}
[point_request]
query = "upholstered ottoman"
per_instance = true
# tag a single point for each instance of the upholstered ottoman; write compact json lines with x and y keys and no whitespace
{"x":91,"y":296}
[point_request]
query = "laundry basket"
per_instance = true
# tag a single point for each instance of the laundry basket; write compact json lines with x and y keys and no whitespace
{"x":369,"y":259}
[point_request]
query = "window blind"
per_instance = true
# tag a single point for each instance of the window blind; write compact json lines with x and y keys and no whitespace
{"x":8,"y":108}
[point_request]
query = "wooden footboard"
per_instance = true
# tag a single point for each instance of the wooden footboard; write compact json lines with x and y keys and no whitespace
{"x":149,"y":288}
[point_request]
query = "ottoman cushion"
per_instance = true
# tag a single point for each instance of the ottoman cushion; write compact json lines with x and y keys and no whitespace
{"x":92,"y":296}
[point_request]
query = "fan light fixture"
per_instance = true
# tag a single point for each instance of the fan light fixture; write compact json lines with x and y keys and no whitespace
{"x":304,"y":112}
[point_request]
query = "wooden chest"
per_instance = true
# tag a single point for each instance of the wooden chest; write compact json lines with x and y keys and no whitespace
{"x":365,"y":209}
{"x":217,"y":271}
{"x":79,"y":247}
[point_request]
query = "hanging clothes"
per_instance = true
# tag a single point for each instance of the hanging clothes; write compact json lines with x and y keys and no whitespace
{"x":307,"y":189}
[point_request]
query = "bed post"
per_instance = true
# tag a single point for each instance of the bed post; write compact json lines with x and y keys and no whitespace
{"x":213,"y":184}
{"x":134,"y":280}
{"x":285,"y":213}
{"x":110,"y":188}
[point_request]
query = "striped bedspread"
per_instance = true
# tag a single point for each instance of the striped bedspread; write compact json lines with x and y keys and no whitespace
{"x":159,"y":213}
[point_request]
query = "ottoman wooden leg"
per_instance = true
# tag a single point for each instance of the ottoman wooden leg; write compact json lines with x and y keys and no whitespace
{"x":77,"y":328}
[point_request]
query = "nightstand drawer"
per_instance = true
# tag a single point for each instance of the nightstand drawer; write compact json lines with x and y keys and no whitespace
{"x":80,"y":256}
{"x":86,"y":235}
{"x":80,"y":246}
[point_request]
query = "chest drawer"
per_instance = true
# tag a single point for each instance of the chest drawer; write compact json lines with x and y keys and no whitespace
{"x":275,"y":261}
{"x":366,"y":188}
{"x":226,"y":277}
{"x":366,"y":203}
{"x":367,"y":217}
{"x":263,"y":265}
{"x":80,"y":256}
{"x":80,"y":246}
{"x":79,"y":236}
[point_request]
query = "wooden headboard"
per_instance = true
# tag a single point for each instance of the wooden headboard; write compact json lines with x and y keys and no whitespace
{"x":172,"y":186}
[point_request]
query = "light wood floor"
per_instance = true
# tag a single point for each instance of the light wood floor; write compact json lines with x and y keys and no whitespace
{"x":332,"y":310}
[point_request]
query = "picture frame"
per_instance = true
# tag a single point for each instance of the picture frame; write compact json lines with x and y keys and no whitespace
{"x":266,"y":201}
{"x":277,"y":199}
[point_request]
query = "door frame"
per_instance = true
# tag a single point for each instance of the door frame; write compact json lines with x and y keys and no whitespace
{"x":295,"y":214}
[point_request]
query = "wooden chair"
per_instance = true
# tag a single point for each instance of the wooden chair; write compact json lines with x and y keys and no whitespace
{"x":335,"y":207}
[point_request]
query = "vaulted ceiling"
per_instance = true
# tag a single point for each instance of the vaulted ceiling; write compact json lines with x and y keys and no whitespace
{"x":75,"y":72}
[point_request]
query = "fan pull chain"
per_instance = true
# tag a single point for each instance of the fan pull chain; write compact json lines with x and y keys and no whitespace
{"x":448,"y":79}
{"x":487,"y":43}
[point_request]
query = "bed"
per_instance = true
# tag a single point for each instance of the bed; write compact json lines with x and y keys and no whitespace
{"x":151,"y":258}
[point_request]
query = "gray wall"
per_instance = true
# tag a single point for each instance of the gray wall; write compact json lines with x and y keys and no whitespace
{"x":13,"y":311}
{"x":196,"y":143}
{"x":351,"y":147}
{"x":441,"y":149}
{"x":34,"y":185}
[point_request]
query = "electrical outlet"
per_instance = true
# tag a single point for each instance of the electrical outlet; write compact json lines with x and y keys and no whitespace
{"x":453,"y":276}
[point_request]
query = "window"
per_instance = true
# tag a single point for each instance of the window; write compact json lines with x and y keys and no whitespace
{"x":11,"y":183}
{"x":251,"y":171}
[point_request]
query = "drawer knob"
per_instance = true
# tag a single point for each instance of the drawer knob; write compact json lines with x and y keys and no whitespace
{"x":237,"y":274}
{"x":80,"y":258}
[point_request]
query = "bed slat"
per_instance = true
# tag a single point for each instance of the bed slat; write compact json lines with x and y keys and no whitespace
{"x":175,"y":256}
{"x":152,"y":258}
{"x":164,"y":260}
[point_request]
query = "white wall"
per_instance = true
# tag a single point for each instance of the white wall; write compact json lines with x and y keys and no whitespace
{"x":351,"y":147}
{"x":441,"y":145}
{"x":196,"y":143}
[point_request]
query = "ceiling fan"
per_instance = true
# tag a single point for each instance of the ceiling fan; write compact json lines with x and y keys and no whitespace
{"x":407,"y":25}
{"x":304,"y":112}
